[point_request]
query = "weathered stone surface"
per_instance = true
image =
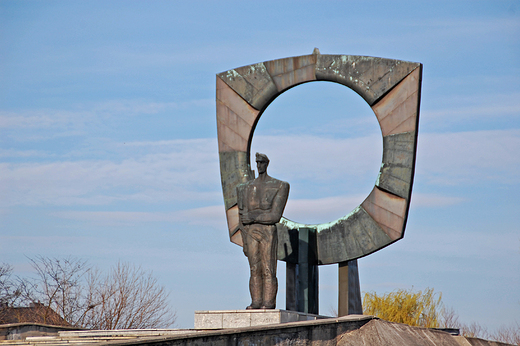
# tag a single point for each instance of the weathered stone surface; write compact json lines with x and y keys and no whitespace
{"x":236,"y":320}
{"x":259,"y":319}
{"x":287,"y":241}
{"x":218,"y":319}
{"x":118,"y":333}
{"x":302,"y":288}
{"x":463,"y":341}
{"x":397,"y":110}
{"x":208,"y":321}
{"x":350,"y":237}
{"x":231,"y":140}
{"x":376,"y":223}
{"x":232,"y":220}
{"x":234,"y":170}
{"x":395,"y":175}
{"x":343,"y":331}
{"x":289,"y":72}
{"x":380,"y":332}
{"x":235,"y":119}
{"x":370,"y":77}
{"x":236,"y":238}
{"x":391,"y":87}
{"x":349,"y":291}
{"x":395,"y":180}
{"x":19,"y":331}
{"x":253,"y":83}
{"x":387,"y":210}
{"x":373,"y":231}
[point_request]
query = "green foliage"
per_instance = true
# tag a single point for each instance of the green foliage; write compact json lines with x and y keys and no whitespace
{"x":425,"y":309}
{"x":420,"y":308}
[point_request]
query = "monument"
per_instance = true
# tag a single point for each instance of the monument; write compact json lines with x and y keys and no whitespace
{"x":392,"y":88}
{"x":260,"y":205}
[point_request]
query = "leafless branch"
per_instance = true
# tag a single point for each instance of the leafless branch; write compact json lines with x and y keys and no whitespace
{"x":125,"y":298}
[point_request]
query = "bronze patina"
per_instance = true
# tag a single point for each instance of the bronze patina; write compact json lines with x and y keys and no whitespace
{"x":261,"y":203}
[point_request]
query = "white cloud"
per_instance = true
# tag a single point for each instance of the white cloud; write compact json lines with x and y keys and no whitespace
{"x":320,"y":210}
{"x":188,"y":171}
{"x":42,"y":119}
{"x":467,"y":27}
{"x":22,"y":153}
{"x":311,"y":211}
{"x":469,"y":157}
{"x":423,"y":200}
{"x":133,"y":107}
{"x":473,"y":108}
{"x":205,"y":216}
{"x":462,"y":243}
{"x":421,"y":38}
{"x":321,"y":158}
{"x":463,"y":113}
{"x":85,"y":115}
{"x":451,"y":36}
{"x":443,"y":158}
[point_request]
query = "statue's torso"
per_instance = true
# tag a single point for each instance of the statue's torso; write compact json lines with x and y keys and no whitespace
{"x":260,"y":195}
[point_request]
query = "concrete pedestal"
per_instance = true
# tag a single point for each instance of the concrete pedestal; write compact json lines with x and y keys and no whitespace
{"x":219,"y":319}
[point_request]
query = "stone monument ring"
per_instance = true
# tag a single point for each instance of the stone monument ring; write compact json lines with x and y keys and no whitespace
{"x":392,"y":89}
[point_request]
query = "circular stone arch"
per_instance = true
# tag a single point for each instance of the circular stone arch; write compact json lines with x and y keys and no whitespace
{"x":391,"y":88}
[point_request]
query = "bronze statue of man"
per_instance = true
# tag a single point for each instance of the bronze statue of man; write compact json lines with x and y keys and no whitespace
{"x":261,"y":203}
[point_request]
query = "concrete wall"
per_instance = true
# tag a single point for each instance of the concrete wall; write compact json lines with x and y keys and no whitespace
{"x":353,"y":330}
{"x":315,"y":333}
{"x":19,"y":331}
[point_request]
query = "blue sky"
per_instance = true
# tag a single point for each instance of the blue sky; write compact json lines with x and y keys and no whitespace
{"x":108,"y":144}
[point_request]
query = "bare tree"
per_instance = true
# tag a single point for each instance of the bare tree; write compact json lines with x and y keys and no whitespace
{"x":14,"y":291}
{"x":507,"y":334}
{"x":449,"y":318}
{"x":474,"y":330}
{"x":510,"y":335}
{"x":6,"y":285}
{"x":60,"y":285}
{"x":126,"y":298}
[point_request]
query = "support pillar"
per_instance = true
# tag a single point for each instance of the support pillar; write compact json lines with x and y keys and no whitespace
{"x":302,"y":277}
{"x":349,"y":293}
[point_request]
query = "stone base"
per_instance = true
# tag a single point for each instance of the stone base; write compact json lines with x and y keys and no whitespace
{"x":219,"y":319}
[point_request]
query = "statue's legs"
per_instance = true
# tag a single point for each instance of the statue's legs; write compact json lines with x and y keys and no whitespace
{"x":255,"y":281}
{"x":268,"y":250}
{"x":262,"y":245}
{"x":270,"y":289}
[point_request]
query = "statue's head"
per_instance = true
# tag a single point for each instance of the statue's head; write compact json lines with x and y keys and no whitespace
{"x":262,"y":161}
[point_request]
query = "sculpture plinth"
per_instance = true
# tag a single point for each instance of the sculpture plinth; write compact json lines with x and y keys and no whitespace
{"x":219,"y":319}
